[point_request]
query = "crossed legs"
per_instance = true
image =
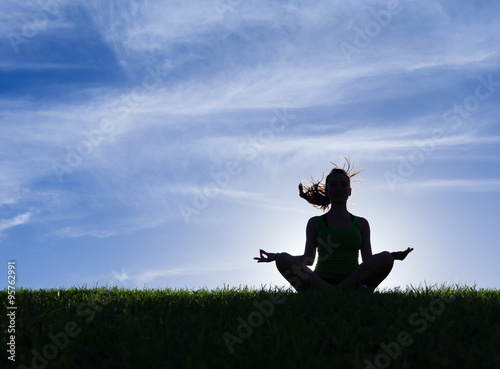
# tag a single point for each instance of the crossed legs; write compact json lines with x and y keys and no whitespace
{"x":298,"y":274}
{"x":371,"y":272}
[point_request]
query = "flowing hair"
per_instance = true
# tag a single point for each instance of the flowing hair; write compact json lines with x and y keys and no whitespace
{"x":316,"y":194}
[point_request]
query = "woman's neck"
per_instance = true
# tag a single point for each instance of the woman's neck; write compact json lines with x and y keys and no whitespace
{"x":338,"y":210}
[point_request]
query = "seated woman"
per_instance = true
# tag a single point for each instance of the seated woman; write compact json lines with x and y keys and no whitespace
{"x":338,"y":236}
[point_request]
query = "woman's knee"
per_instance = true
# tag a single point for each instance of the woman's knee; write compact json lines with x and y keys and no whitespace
{"x":283,"y":260}
{"x":387,"y":255}
{"x":386,"y":259}
{"x":282,"y":257}
{"x":382,"y":258}
{"x":381,"y":261}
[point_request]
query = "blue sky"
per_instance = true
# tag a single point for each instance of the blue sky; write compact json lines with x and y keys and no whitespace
{"x":160,"y":144}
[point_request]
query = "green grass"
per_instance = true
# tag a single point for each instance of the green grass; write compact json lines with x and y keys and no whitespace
{"x":427,"y":327}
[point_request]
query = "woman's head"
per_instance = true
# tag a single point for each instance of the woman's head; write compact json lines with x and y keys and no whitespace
{"x":336,"y":171}
{"x":336,"y":187}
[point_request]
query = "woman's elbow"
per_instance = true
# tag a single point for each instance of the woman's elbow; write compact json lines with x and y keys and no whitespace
{"x":308,"y":260}
{"x":365,"y":256}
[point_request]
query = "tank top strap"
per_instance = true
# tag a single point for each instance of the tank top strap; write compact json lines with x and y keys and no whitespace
{"x":322,"y":221}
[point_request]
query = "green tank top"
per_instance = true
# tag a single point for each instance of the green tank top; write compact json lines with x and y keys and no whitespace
{"x":338,"y":250}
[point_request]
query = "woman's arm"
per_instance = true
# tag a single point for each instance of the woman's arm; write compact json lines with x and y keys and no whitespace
{"x":312,"y":229}
{"x":366,"y":246}
{"x":310,"y":249}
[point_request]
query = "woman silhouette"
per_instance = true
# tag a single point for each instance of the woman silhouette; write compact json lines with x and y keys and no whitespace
{"x":338,"y":236}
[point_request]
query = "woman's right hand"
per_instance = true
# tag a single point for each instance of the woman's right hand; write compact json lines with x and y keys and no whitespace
{"x":401,"y":255}
{"x":266,"y":257}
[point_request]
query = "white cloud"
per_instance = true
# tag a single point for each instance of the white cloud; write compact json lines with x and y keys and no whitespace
{"x":458,"y":185}
{"x":76,"y":232}
{"x":16,"y":221}
{"x":388,"y":141}
{"x":125,"y":224}
{"x":29,"y":67}
{"x":140,"y":278}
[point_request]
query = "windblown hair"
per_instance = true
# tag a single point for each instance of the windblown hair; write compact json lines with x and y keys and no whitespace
{"x":316,"y":194}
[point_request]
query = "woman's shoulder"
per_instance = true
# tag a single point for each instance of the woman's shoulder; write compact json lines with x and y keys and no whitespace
{"x":363,"y":223}
{"x":314,"y":223}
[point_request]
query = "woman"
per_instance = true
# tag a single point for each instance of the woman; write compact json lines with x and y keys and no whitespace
{"x":339,"y":236}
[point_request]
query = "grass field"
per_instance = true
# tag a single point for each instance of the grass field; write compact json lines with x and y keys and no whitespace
{"x":426,"y":327}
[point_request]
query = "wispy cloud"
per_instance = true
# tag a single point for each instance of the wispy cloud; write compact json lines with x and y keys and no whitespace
{"x":16,"y":221}
{"x":456,"y":185}
{"x":76,"y":232}
{"x":140,"y":278}
{"x":29,"y":67}
{"x":100,"y":230}
{"x":388,"y":141}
